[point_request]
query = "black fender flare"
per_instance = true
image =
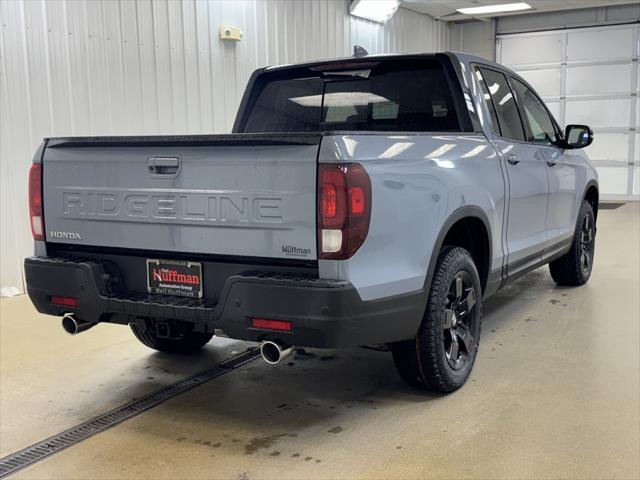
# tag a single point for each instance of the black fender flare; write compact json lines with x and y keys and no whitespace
{"x":465,"y":211}
{"x":591,"y":183}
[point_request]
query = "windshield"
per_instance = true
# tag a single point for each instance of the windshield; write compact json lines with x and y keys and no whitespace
{"x":385,"y":95}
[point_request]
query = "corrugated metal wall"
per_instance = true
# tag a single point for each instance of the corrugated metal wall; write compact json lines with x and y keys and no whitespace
{"x":121,"y":67}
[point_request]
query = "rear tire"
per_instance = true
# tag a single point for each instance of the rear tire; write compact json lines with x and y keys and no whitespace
{"x":574,"y":268}
{"x":182,"y":341}
{"x":441,"y":355}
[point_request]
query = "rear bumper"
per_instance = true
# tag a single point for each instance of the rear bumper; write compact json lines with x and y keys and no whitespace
{"x":324,"y":313}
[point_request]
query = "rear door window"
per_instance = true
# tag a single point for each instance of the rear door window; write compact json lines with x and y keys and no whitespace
{"x":387,"y":95}
{"x":504,"y":103}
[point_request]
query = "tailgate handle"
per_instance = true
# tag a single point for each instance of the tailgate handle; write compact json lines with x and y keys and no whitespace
{"x":163,"y":166}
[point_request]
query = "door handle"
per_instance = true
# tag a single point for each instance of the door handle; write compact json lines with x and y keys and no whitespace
{"x":513,"y":159}
{"x":163,"y":166}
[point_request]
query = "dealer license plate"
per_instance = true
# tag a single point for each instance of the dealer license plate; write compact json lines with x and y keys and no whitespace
{"x":174,"y":277}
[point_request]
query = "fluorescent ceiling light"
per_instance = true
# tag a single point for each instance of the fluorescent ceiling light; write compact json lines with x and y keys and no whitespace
{"x":377,"y":10}
{"x":505,"y":7}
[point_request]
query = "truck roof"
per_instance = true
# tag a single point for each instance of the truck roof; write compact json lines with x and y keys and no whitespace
{"x":462,"y":56}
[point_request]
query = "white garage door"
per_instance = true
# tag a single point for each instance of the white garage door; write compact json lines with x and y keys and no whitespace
{"x":590,"y":76}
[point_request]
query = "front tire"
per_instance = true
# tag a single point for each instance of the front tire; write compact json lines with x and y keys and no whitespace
{"x":574,"y":268}
{"x":441,"y":355}
{"x":182,"y":340}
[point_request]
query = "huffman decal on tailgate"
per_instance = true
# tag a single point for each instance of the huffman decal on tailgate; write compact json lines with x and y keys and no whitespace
{"x":296,"y":251}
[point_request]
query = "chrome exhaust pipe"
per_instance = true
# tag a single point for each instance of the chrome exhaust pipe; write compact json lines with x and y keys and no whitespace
{"x":73,"y":326}
{"x":274,"y":352}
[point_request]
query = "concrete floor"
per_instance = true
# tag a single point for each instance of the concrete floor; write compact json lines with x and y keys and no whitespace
{"x":555,"y":394}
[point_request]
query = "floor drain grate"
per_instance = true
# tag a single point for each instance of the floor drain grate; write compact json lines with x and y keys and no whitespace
{"x":30,"y":455}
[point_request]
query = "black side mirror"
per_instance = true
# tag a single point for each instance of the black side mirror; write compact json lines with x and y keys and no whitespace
{"x":577,"y":136}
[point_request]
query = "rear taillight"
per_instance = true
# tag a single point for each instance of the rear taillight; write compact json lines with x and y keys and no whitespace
{"x":35,"y":201}
{"x":344,"y":209}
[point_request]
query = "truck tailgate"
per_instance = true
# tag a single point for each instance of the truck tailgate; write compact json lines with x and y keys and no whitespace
{"x":224,"y":194}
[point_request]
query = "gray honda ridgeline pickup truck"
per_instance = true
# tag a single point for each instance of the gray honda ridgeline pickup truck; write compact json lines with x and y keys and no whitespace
{"x":363,"y":201}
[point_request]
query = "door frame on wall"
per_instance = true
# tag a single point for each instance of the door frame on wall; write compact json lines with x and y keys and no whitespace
{"x":632,"y":163}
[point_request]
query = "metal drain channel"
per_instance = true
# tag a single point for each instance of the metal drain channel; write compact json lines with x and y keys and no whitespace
{"x":41,"y":450}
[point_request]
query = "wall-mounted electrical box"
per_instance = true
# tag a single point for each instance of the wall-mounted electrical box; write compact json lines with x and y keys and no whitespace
{"x":230,"y":33}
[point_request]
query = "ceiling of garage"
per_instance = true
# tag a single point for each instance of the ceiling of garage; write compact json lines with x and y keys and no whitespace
{"x":446,"y":9}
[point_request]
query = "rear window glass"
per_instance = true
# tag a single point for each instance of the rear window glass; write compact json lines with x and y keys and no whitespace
{"x":384,"y":95}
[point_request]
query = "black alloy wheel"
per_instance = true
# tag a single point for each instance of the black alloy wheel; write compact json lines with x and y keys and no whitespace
{"x":441,"y":355}
{"x":459,"y":320}
{"x":587,"y":244}
{"x":574,"y":268}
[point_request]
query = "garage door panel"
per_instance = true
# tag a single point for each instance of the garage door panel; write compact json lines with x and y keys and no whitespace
{"x":545,"y":81}
{"x":525,"y":50}
{"x":609,"y":146}
{"x":598,"y":79}
{"x":590,"y":76}
{"x":613,"y":180}
{"x":596,"y":44}
{"x":599,"y":113}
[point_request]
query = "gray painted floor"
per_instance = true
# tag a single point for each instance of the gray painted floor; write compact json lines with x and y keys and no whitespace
{"x":555,"y":394}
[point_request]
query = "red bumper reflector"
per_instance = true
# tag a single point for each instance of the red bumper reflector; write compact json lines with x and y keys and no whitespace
{"x":64,"y":301}
{"x":265,"y":324}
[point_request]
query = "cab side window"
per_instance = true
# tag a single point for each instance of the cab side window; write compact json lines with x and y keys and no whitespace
{"x":541,"y":128}
{"x":503,"y":103}
{"x":487,"y":100}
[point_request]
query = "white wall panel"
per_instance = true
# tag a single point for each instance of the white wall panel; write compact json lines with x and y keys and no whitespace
{"x":124,"y":67}
{"x":477,"y":38}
